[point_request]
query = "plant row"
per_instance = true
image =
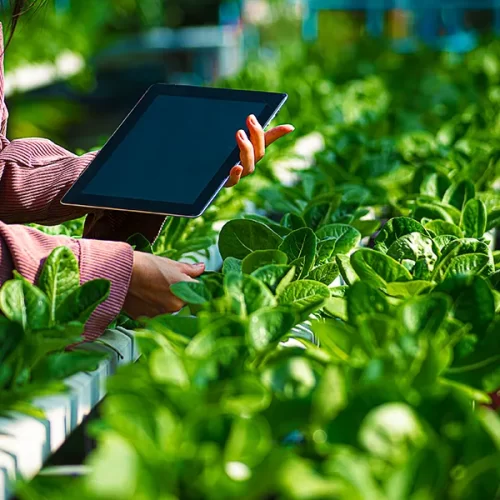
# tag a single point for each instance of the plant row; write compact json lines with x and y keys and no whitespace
{"x":385,"y":249}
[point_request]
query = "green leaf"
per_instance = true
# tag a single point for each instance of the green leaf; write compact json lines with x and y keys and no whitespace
{"x":269,"y":326}
{"x":473,"y":300}
{"x":366,"y":227}
{"x":214,"y":283}
{"x":37,"y":307}
{"x":275,"y":276}
{"x":330,"y":396}
{"x":336,"y":337}
{"x":59,"y":278}
{"x":320,"y":209}
{"x":362,"y":298}
{"x":395,"y":229}
{"x":233,"y":286}
{"x":25,"y":304}
{"x":256,"y":294}
{"x":187,"y":326}
{"x":261,"y":258}
{"x":82,"y":302}
{"x":171,"y":233}
{"x":61,"y":365}
{"x":378,"y":268}
{"x":441,"y":228}
{"x":409,"y":288}
{"x":306,"y":296}
{"x":231,"y":265}
{"x":339,"y":291}
{"x":337,"y":307}
{"x":414,"y":246}
{"x":277,"y":228}
{"x":336,"y":239}
{"x":459,"y":194}
{"x":434,"y":211}
{"x":473,"y":394}
{"x":245,"y":395}
{"x":346,"y":270}
{"x":424,"y":315}
{"x":290,"y":377}
{"x":249,"y":442}
{"x":191,"y":292}
{"x":240,"y":238}
{"x":300,"y":244}
{"x":474,"y":219}
{"x":326,"y":274}
{"x":444,"y":240}
{"x":140,"y":243}
{"x":167,"y":368}
{"x":193,"y":245}
{"x":493,"y":219}
{"x":394,"y":444}
{"x":293,"y":221}
{"x":298,"y":265}
{"x":458,"y":248}
{"x":435,"y":185}
{"x":468,"y":264}
{"x":247,"y":293}
{"x":463,"y":246}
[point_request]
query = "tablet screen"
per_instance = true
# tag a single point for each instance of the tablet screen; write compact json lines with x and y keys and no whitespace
{"x":174,"y":150}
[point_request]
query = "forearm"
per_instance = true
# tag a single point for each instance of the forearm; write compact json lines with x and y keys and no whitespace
{"x":25,"y":250}
{"x":34,"y":176}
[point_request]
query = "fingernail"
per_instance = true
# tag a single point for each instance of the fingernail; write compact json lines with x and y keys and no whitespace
{"x":242,"y":135}
{"x":253,"y":119}
{"x":199,"y":264}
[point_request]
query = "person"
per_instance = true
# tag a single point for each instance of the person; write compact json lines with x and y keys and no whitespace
{"x":36,"y":173}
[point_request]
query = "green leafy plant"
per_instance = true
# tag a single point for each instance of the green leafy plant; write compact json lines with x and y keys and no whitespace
{"x":383,"y":245}
{"x":39,"y":322}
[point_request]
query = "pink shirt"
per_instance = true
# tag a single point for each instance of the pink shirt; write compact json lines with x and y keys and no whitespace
{"x":34,"y":175}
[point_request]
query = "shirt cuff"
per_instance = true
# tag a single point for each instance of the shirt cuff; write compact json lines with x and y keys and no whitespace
{"x":107,"y":260}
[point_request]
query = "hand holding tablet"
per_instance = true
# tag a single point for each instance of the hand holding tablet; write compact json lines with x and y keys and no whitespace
{"x":177,"y":149}
{"x":252,"y":149}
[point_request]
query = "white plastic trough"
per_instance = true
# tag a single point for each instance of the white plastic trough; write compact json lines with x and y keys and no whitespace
{"x":26,"y":442}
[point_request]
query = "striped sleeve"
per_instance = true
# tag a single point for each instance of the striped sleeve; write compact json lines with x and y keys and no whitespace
{"x":34,"y":176}
{"x":25,"y":249}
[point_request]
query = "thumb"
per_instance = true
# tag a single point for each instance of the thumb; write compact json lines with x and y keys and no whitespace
{"x":194,"y":270}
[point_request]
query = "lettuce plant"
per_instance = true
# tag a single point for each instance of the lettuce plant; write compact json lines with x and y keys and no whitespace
{"x":38,"y":323}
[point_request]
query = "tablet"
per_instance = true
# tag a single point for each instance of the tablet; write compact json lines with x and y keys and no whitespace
{"x":174,"y":151}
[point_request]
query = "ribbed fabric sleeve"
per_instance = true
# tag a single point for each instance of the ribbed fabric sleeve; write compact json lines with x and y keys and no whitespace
{"x":34,"y":176}
{"x":25,"y":249}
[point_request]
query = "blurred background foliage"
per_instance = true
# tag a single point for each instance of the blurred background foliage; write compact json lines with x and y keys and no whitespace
{"x":98,"y":79}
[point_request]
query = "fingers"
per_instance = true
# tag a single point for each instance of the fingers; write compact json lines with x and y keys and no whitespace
{"x":234,"y":176}
{"x":193,"y":270}
{"x":277,"y":133}
{"x":257,"y":138}
{"x":188,"y":273}
{"x":174,"y":305}
{"x":247,"y":156}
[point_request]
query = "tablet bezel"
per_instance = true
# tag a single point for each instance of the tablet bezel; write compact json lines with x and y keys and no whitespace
{"x":76,"y":197}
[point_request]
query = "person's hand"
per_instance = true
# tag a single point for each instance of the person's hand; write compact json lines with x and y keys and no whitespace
{"x":149,"y":291}
{"x":253,"y":148}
